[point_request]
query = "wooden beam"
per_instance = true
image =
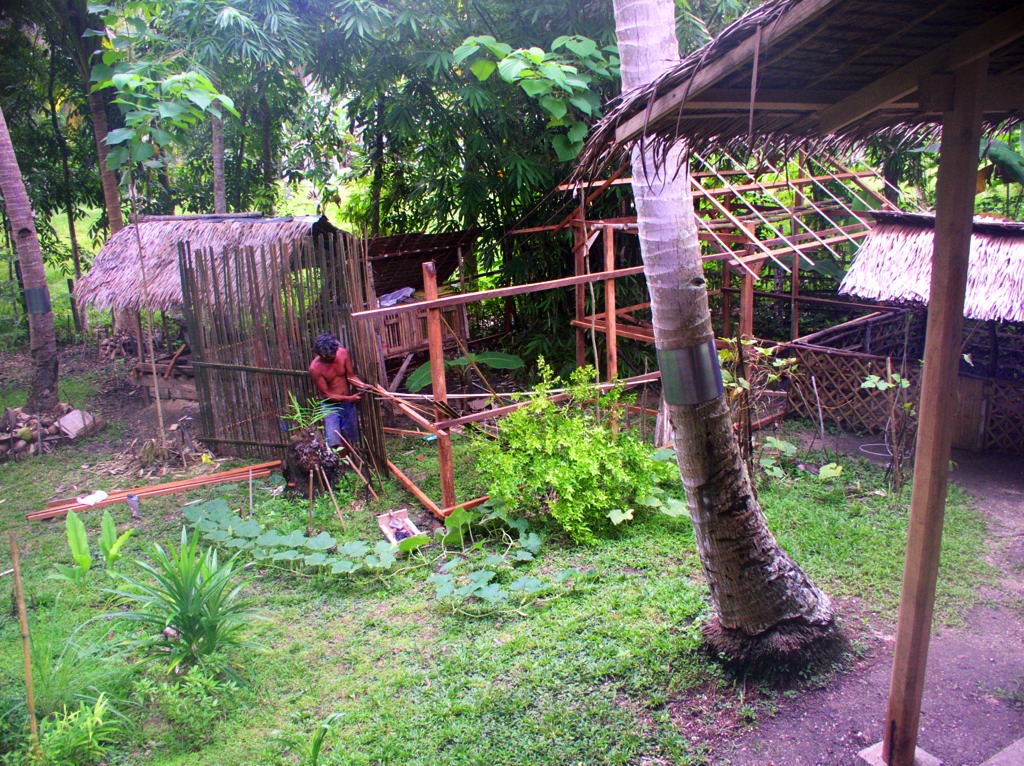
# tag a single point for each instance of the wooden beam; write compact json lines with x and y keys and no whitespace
{"x":958,"y":162}
{"x":435,"y":340}
{"x":579,"y":254}
{"x":410,"y":485}
{"x":705,"y":77}
{"x":499,"y":292}
{"x":965,"y":49}
{"x":774,"y":100}
{"x":1002,"y":94}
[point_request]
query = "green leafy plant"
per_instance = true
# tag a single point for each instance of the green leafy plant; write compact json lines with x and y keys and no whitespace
{"x":303,"y":417}
{"x":79,"y":544}
{"x":565,"y":461}
{"x":77,"y":737}
{"x":191,"y":602}
{"x":308,"y":747}
{"x":420,"y":378}
{"x":191,"y":704}
{"x":110,"y":543}
{"x":776,"y":455}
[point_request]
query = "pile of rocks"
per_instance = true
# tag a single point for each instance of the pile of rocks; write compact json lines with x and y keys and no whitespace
{"x":22,"y":433}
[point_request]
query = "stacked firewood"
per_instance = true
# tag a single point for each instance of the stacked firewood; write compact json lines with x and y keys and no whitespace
{"x":121,"y":344}
{"x":23,"y":434}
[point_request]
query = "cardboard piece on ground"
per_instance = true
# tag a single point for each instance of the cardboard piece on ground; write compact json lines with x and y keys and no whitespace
{"x":80,"y":423}
{"x":394,"y":522}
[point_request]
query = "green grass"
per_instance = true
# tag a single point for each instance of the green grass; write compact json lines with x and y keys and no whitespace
{"x":582,"y":678}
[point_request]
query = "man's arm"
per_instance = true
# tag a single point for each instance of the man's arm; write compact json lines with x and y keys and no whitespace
{"x":349,"y":373}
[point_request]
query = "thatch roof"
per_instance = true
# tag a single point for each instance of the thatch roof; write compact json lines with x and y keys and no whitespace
{"x":827,"y":71}
{"x":397,"y":260}
{"x":895,"y":265}
{"x":115,"y":279}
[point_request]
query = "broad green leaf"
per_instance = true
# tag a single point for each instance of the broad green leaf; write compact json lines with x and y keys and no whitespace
{"x":577,"y":132}
{"x":491,"y":593}
{"x":464,"y":51}
{"x":664,"y":455}
{"x":289,"y":555}
{"x":534,"y":88}
{"x":443,"y":583}
{"x":581,"y":46}
{"x":482,"y":576}
{"x":321,"y":542}
{"x":566,"y":149}
{"x":413,"y":543}
{"x":528,"y":585}
{"x":617,"y":515}
{"x":673,"y":507}
{"x":316,"y":559}
{"x":77,"y":540}
{"x":483,"y":68}
{"x":119,"y":136}
{"x":829,"y":471}
{"x":511,"y":68}
{"x":522,"y":555}
{"x":345,"y":566}
{"x":556,"y":107}
{"x":141,"y":151}
{"x":530,"y":542}
{"x":170,"y":110}
{"x":355,"y":549}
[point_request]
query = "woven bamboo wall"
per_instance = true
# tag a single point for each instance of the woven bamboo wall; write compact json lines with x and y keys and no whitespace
{"x":989,"y":412}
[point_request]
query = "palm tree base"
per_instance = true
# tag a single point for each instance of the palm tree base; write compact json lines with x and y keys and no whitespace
{"x":791,"y":645}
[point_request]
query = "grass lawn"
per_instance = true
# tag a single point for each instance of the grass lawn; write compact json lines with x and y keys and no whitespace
{"x":584,"y":671}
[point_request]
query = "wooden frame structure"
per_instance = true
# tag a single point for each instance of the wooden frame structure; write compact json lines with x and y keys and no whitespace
{"x":839,"y":72}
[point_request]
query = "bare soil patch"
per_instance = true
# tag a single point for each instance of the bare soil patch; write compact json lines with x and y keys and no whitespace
{"x":974,"y":692}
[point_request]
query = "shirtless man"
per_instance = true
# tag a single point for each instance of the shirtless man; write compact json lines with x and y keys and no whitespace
{"x":332,"y":372}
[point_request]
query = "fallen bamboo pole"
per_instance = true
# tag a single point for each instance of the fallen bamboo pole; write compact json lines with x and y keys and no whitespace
{"x":30,"y":696}
{"x":259,"y":471}
{"x":411,"y":486}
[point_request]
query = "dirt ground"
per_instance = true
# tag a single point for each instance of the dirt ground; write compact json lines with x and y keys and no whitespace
{"x":974,"y":690}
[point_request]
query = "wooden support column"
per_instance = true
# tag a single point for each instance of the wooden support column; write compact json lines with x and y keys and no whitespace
{"x":794,"y":305}
{"x":958,"y":163}
{"x":440,"y":388}
{"x":579,"y":253}
{"x":610,"y":317}
{"x":747,"y":301}
{"x":726,"y":300}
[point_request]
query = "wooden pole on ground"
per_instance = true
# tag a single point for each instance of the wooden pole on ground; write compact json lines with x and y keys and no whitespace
{"x":30,"y":695}
{"x":440,"y":387}
{"x":610,"y":317}
{"x":747,"y":301}
{"x":958,"y":163}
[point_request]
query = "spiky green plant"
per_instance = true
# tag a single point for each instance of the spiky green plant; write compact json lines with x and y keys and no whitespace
{"x":192,"y":603}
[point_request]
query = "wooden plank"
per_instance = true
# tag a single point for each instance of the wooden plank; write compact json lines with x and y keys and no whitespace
{"x":958,"y":162}
{"x":435,"y":338}
{"x":500,"y":292}
{"x":579,"y":254}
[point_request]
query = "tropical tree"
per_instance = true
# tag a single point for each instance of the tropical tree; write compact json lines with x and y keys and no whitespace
{"x":765,"y":606}
{"x":42,"y":393}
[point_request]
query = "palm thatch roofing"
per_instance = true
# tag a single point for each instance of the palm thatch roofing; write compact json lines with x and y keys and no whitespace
{"x":894,"y":265}
{"x":115,"y":279}
{"x":397,"y":260}
{"x":833,"y":72}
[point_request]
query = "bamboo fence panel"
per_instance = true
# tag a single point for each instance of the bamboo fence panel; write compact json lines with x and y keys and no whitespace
{"x":252,"y":316}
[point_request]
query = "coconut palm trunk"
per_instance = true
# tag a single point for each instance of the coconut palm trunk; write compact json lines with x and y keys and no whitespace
{"x":765,"y":606}
{"x":42,"y":393}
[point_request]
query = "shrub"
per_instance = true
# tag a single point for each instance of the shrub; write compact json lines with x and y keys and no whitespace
{"x":191,"y":704}
{"x":564,"y":459}
{"x":193,"y":604}
{"x":71,"y":737}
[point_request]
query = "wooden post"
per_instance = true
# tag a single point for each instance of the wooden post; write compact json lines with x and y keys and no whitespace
{"x":794,"y":292}
{"x":610,"y":317}
{"x":961,"y":132}
{"x":726,"y":300}
{"x":440,"y":387}
{"x":30,"y":695}
{"x":579,"y":253}
{"x":747,"y":301}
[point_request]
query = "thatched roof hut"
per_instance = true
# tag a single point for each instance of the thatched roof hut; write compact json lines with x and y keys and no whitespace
{"x":115,"y":279}
{"x":817,"y":72}
{"x":894,"y":265}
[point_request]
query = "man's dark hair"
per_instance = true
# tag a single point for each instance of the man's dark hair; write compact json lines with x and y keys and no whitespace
{"x":326,"y":344}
